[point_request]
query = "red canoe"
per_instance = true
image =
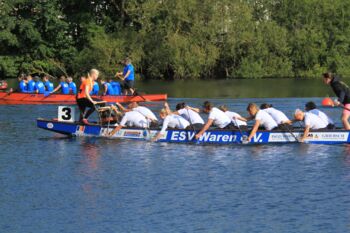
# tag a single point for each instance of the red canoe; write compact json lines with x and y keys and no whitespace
{"x":30,"y":98}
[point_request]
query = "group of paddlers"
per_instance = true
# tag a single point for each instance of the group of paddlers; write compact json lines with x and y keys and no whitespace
{"x":124,"y":84}
{"x":186,"y":117}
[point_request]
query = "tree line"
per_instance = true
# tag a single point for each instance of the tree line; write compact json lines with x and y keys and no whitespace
{"x":176,"y":39}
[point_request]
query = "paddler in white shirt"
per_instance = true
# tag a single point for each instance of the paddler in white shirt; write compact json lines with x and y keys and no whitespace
{"x":239,"y":121}
{"x":311,"y":121}
{"x":190,"y":114}
{"x":171,"y":121}
{"x":146,"y":112}
{"x":281,"y":119}
{"x":312,"y":108}
{"x":216,"y":117}
{"x":131,"y":119}
{"x":261,"y":118}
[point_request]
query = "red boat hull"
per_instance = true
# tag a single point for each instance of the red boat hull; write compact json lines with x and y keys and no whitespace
{"x":30,"y":98}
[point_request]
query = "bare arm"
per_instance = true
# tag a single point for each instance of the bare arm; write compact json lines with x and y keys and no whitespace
{"x":253,"y":132}
{"x":306,"y":132}
{"x":197,"y":110}
{"x":56,"y":89}
{"x":116,"y":129}
{"x":205,"y":128}
{"x":167,"y":108}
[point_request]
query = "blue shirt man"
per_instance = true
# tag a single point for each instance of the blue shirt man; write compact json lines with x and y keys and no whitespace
{"x":71,"y":85}
{"x":116,"y":87}
{"x":23,"y":86}
{"x":39,"y":87}
{"x":30,"y":84}
{"x":108,"y":89}
{"x":129,"y":68}
{"x":95,"y":89}
{"x":63,"y":85}
{"x":48,"y":85}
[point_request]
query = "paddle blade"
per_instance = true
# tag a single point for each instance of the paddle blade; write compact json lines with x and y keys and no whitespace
{"x":327,"y":102}
{"x":46,"y":93}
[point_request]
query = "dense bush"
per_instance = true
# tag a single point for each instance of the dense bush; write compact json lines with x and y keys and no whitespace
{"x":176,"y":39}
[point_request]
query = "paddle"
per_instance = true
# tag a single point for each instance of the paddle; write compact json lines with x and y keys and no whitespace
{"x":243,"y":137}
{"x":136,"y":93}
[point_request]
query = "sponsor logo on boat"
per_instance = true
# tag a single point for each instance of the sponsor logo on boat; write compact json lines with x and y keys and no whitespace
{"x":329,"y":136}
{"x":206,"y":137}
{"x":283,"y":137}
{"x":80,"y":130}
{"x":128,"y":133}
{"x":49,"y":125}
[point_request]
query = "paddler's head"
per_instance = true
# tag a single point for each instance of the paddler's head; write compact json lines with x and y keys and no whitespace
{"x":298,"y":115}
{"x":207,"y":106}
{"x":29,"y":77}
{"x":163,"y":113}
{"x":327,"y":78}
{"x":223,"y":108}
{"x":265,"y":106}
{"x":132,"y":105}
{"x":252,"y":109}
{"x":62,"y":78}
{"x":180,"y":106}
{"x":310,"y":105}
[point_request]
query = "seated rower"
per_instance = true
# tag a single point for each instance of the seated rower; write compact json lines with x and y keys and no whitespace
{"x":216,"y":117}
{"x":22,"y":84}
{"x":131,"y":119}
{"x":116,"y":87}
{"x":107,"y":87}
{"x":280,"y":118}
{"x":262,"y":118}
{"x":95,"y":88}
{"x":190,"y":114}
{"x":62,"y":85}
{"x":312,"y":108}
{"x":239,"y":121}
{"x":48,"y":85}
{"x":311,"y":121}
{"x":39,"y":86}
{"x":146,"y":112}
{"x":71,"y":85}
{"x":30,"y":84}
{"x":171,"y":121}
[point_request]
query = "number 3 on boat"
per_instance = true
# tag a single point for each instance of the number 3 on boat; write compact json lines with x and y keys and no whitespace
{"x":66,"y":113}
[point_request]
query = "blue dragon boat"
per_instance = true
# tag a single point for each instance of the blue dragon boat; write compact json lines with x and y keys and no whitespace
{"x":212,"y":136}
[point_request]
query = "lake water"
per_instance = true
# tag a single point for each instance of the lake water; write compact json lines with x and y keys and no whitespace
{"x":51,"y":183}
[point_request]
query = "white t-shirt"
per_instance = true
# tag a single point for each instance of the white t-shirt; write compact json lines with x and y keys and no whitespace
{"x":314,"y":121}
{"x":190,"y":115}
{"x":265,"y":120}
{"x":134,"y":119}
{"x":322,"y":115}
{"x":277,"y":115}
{"x":145,"y":112}
{"x":220,"y":119}
{"x":236,"y":122}
{"x":174,"y":121}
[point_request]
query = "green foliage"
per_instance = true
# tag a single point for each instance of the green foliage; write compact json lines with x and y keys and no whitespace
{"x":176,"y":39}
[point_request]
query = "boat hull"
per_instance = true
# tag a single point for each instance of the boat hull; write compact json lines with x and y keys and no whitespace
{"x":187,"y":136}
{"x":31,"y":98}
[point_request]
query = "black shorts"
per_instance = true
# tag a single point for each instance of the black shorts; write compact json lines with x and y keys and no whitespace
{"x":128,"y":84}
{"x":84,"y":102}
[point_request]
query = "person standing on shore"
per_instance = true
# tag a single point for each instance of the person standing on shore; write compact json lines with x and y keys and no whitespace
{"x":127,"y":76}
{"x":342,"y":91}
